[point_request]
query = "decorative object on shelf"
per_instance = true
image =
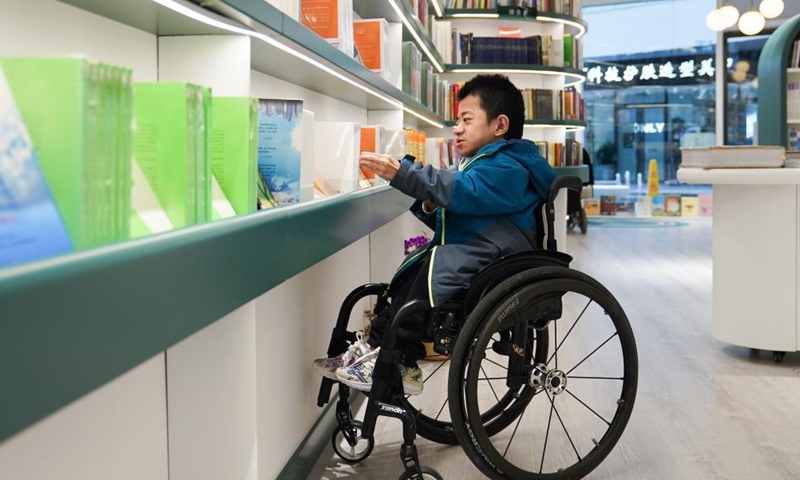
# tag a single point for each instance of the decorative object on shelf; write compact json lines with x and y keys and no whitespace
{"x":415,"y":243}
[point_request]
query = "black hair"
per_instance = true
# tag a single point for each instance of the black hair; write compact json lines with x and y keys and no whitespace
{"x":498,"y":96}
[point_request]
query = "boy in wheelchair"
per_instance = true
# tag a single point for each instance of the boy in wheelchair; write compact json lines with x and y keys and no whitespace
{"x":480,"y":211}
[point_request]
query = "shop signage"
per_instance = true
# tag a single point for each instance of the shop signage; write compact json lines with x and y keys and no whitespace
{"x":668,"y":72}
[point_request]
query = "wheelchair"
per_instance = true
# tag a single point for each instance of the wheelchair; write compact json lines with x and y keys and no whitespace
{"x":533,"y":372}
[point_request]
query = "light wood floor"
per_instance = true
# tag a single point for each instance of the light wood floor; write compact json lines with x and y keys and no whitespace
{"x":704,"y":410}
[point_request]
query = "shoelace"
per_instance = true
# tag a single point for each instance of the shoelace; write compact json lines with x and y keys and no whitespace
{"x":367,"y":360}
{"x":359,"y":348}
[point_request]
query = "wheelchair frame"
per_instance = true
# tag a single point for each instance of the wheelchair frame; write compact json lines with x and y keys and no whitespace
{"x":386,"y":378}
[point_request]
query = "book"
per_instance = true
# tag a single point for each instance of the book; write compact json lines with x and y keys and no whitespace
{"x":307,"y":154}
{"x":372,"y":138}
{"x":705,"y":204}
{"x":331,"y":20}
{"x":321,"y":187}
{"x":31,"y":227}
{"x":733,"y":157}
{"x":371,"y":37}
{"x":169,"y":146}
{"x":690,"y":206}
{"x":672,"y":205}
{"x":626,"y":207}
{"x":643,"y":206}
{"x":336,"y":146}
{"x":78,"y":116}
{"x":608,"y":205}
{"x":591,"y":206}
{"x":280,"y":144}
{"x":658,"y":207}
{"x":234,"y":150}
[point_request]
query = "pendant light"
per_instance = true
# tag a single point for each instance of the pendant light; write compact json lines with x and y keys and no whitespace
{"x":771,"y":8}
{"x":751,"y":22}
{"x":730,"y":15}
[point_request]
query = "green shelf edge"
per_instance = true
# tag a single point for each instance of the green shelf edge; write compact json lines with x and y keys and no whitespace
{"x":772,"y":65}
{"x":449,"y":12}
{"x":69,"y":325}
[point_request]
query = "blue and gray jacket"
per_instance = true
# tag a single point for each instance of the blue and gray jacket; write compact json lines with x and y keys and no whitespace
{"x":487,"y":209}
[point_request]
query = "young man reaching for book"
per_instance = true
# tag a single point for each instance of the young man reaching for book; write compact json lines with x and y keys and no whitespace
{"x":481,"y":211}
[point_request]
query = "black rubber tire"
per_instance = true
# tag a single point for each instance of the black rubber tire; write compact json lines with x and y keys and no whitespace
{"x":486,"y":315}
{"x":495,"y":419}
{"x":428,"y":473}
{"x":349,"y":457}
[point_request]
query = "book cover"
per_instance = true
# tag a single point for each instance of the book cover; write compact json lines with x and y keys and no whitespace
{"x":371,"y":39}
{"x":370,"y":142}
{"x":705,"y":204}
{"x":280,"y":143}
{"x":233,"y":159}
{"x":591,"y":206}
{"x":336,"y":147}
{"x":643,"y":206}
{"x":672,"y":205}
{"x":169,"y":147}
{"x":31,"y":227}
{"x":608,"y":205}
{"x":307,"y":154}
{"x":658,"y":207}
{"x":626,"y":207}
{"x":690,"y":206}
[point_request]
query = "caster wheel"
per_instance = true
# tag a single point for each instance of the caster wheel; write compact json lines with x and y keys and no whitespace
{"x":427,"y":474}
{"x":584,"y":222}
{"x":348,"y":444}
{"x":777,"y":357}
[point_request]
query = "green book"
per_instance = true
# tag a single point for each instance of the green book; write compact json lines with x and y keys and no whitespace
{"x":169,"y":146}
{"x":67,"y":105}
{"x":234,"y":154}
{"x":568,"y":51}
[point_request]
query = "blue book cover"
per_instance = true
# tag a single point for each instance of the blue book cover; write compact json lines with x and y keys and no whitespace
{"x":31,"y":227}
{"x":280,"y":143}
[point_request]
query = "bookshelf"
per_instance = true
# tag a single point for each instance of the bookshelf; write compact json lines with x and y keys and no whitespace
{"x":773,"y":75}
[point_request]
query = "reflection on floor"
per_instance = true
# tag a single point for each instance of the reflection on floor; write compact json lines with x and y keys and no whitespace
{"x":704,"y":410}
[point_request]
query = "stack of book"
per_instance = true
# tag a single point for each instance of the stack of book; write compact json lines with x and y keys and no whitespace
{"x":234,"y":150}
{"x":567,"y":154}
{"x":171,"y":147}
{"x":733,"y":157}
{"x":412,"y":71}
{"x":78,"y":115}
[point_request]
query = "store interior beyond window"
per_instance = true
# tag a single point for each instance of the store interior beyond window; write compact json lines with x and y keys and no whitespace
{"x":650,"y":90}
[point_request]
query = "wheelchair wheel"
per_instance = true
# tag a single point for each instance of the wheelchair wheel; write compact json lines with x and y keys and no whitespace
{"x":582,"y":394}
{"x":427,"y":474}
{"x":348,"y":444}
{"x":430,"y":408}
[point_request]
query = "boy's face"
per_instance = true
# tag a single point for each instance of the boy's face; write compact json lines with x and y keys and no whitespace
{"x":472,"y":130}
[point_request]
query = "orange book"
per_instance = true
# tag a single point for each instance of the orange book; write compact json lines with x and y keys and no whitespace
{"x":368,"y":36}
{"x":321,"y":16}
{"x":368,"y":144}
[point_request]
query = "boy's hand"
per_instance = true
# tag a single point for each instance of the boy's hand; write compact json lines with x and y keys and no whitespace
{"x":380,"y":164}
{"x":429,"y":206}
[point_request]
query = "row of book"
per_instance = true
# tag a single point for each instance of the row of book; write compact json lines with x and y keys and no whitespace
{"x":566,"y":7}
{"x":557,"y":154}
{"x":651,"y":206}
{"x":421,"y":83}
{"x":544,"y":104}
{"x":793,"y":101}
{"x":794,"y":59}
{"x":88,"y":157}
{"x":541,"y":50}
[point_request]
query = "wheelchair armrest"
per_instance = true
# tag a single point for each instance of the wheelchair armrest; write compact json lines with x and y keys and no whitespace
{"x":569,"y":182}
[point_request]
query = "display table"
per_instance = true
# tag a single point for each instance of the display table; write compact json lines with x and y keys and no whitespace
{"x":755,"y":248}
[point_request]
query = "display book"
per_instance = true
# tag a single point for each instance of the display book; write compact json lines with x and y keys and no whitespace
{"x":733,"y":157}
{"x":31,"y":226}
{"x":668,"y":205}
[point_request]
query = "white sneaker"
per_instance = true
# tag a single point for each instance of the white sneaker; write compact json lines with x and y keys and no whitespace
{"x":412,"y":380}
{"x":327,"y":366}
{"x":358,"y":375}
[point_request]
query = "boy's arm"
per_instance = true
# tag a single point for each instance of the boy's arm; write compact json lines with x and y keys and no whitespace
{"x":496,"y":186}
{"x":427,"y":217}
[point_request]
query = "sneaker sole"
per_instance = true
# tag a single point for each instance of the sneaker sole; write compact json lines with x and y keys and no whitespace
{"x":411,"y":389}
{"x":364,"y":387}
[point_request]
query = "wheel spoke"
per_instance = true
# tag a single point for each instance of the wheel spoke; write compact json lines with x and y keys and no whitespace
{"x":570,"y":331}
{"x":596,"y":378}
{"x":514,"y":432}
{"x":490,"y":384}
{"x":587,"y":406}
{"x":441,"y":409}
{"x":436,"y":370}
{"x":593,"y":352}
{"x":492,"y":361}
{"x":553,"y":403}
{"x":546,"y":436}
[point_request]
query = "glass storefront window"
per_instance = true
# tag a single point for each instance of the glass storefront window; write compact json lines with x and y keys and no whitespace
{"x":741,"y":88}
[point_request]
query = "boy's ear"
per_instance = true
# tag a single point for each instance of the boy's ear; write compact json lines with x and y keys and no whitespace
{"x":500,"y":125}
